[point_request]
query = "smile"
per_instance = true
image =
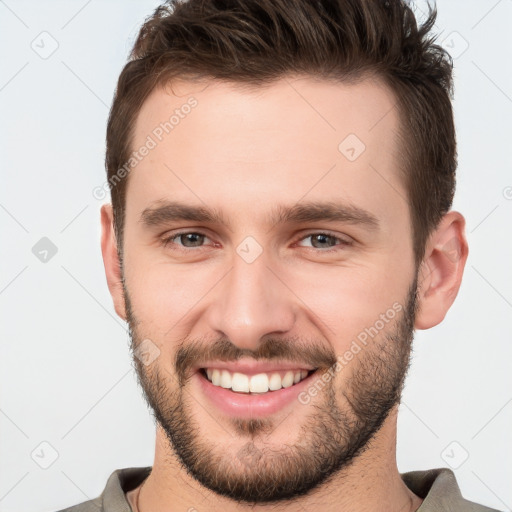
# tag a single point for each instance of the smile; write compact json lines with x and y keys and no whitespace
{"x":252,"y":390}
{"x":259,"y":383}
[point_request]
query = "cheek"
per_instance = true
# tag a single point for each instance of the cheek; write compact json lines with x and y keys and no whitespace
{"x":163,"y":294}
{"x":343,"y":302}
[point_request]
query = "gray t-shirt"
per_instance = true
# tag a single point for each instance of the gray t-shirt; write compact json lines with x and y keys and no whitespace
{"x":437,"y":487}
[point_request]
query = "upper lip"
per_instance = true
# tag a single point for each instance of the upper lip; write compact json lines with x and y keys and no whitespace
{"x":251,"y":367}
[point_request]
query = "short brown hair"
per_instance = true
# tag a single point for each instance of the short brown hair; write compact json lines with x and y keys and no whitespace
{"x":255,"y":42}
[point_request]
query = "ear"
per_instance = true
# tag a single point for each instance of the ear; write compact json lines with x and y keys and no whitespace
{"x":440,"y":273}
{"x":111,"y":260}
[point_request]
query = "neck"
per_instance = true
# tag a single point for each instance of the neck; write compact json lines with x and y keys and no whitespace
{"x":371,"y":483}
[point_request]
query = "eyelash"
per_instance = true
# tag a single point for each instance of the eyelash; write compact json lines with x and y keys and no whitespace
{"x":167,"y":240}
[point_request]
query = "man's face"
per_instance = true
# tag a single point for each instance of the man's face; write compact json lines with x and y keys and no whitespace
{"x":268,"y":288}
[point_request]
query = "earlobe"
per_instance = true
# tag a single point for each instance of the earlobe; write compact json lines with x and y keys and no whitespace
{"x":441,"y":271}
{"x":111,"y":260}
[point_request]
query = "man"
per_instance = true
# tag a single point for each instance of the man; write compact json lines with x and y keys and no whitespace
{"x":281,"y":175}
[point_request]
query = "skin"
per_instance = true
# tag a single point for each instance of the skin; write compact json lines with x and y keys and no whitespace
{"x":244,"y":152}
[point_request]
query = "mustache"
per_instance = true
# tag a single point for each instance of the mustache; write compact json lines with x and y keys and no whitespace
{"x":197,"y":353}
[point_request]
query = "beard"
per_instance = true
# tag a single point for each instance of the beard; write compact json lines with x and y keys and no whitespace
{"x":331,"y":437}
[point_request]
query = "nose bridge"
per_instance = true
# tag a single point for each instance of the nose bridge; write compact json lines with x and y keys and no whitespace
{"x":251,"y":303}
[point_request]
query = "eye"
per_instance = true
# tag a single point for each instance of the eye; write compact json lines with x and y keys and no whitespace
{"x":185,"y":240}
{"x":325,"y":241}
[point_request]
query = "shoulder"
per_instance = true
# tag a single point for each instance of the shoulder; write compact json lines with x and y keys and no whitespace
{"x":439,"y":490}
{"x":87,"y":506}
{"x":113,"y":497}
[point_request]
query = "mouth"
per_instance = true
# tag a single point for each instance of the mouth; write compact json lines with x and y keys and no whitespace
{"x":253,"y":393}
{"x":260,"y":383}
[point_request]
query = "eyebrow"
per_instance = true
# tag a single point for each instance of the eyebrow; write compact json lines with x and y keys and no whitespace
{"x":171,"y":211}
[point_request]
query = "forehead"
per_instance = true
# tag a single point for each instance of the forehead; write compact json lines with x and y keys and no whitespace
{"x":317,"y":111}
{"x":243,"y":149}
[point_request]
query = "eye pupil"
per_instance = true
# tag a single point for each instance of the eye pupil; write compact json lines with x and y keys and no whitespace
{"x":195,"y":238}
{"x":323,"y":238}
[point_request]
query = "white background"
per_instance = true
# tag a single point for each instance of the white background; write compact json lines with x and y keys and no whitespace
{"x":65,"y":372}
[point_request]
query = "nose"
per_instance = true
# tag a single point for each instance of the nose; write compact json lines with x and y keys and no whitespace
{"x":251,"y":302}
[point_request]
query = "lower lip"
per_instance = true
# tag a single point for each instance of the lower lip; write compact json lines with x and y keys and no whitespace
{"x":248,"y":405}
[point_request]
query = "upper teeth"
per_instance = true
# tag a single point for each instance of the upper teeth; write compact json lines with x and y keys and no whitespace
{"x":260,"y":383}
